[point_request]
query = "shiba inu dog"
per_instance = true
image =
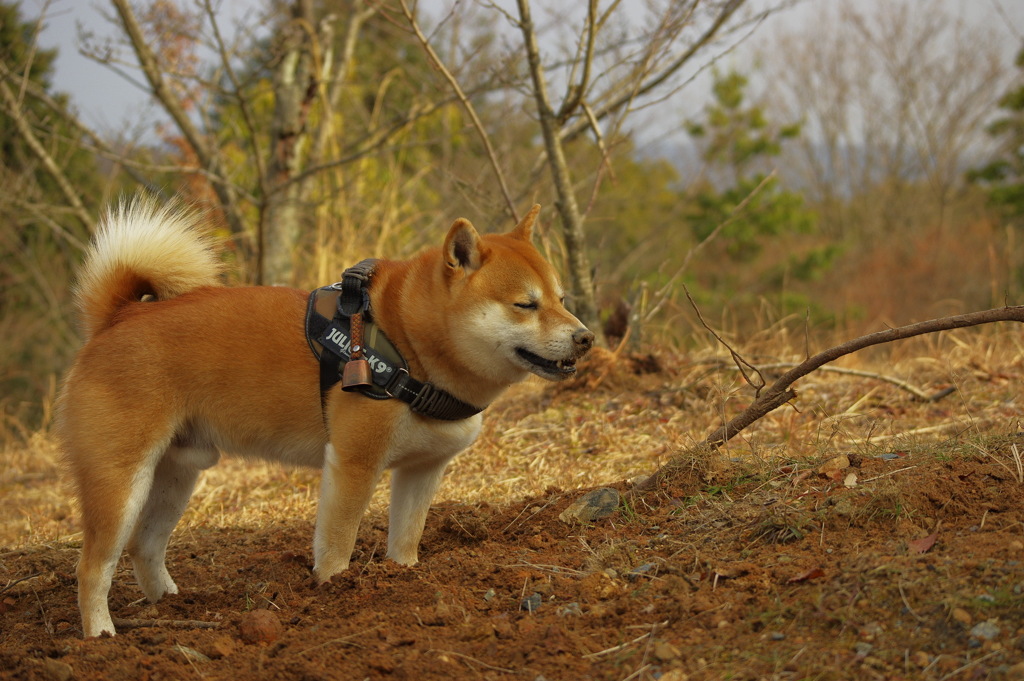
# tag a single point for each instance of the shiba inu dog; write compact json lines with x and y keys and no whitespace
{"x":177,"y":368}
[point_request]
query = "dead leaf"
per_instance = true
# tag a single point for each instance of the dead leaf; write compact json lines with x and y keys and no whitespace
{"x":813,"y":573}
{"x":923,"y":544}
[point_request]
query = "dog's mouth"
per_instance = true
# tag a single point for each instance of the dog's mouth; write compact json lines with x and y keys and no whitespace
{"x":560,"y":367}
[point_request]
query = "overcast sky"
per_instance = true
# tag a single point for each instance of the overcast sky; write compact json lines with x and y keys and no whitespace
{"x":109,"y":102}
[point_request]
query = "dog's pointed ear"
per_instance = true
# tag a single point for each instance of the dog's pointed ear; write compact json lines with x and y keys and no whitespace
{"x":462,"y":246}
{"x":524,"y":230}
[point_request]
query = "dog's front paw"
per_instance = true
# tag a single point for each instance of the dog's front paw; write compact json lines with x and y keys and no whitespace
{"x":404,"y":558}
{"x":324,"y":570}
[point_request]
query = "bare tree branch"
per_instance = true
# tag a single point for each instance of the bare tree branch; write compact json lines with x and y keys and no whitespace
{"x":14,"y":110}
{"x":96,"y":144}
{"x":207,"y":155}
{"x":574,"y":95}
{"x":605,"y":109}
{"x":467,"y":105}
{"x":244,"y":104}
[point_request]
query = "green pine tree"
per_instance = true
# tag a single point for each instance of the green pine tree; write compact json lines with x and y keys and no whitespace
{"x":1003,"y":177}
{"x":736,"y":140}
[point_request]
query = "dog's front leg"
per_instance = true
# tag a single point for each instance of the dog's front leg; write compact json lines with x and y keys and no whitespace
{"x":412,"y":489}
{"x":345,"y":490}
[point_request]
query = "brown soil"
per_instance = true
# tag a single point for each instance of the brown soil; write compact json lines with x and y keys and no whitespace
{"x":888,"y":564}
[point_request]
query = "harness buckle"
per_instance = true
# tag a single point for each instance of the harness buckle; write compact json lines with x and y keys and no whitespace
{"x":401,"y":374}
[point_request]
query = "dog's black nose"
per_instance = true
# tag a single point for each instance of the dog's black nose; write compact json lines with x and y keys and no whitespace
{"x":583,"y":337}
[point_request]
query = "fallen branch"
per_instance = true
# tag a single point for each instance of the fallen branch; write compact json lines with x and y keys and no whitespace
{"x":18,"y":581}
{"x":122,"y":623}
{"x":780,"y":392}
{"x":622,"y":646}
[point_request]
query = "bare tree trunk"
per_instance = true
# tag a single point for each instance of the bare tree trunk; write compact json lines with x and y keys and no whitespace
{"x":295,"y":88}
{"x":580,"y":281}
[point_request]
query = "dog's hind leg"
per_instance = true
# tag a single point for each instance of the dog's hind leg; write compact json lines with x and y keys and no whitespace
{"x":112,"y":497}
{"x":412,"y":489}
{"x":173,"y":481}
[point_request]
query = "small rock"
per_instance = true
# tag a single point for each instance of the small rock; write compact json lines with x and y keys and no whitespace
{"x":260,"y":626}
{"x":55,"y":670}
{"x":665,"y":651}
{"x":489,"y":595}
{"x":987,"y":630}
{"x":946,"y":664}
{"x":531,"y":603}
{"x":674,"y":675}
{"x":777,"y":636}
{"x":862,"y":649}
{"x":444,"y":613}
{"x":598,"y":586}
{"x":503,"y":628}
{"x":570,"y":609}
{"x":921,"y":659}
{"x":594,"y":505}
{"x":836,"y":463}
{"x":639,"y":480}
{"x":871,"y":630}
{"x":220,"y":647}
{"x":962,"y":616}
{"x":640,"y":571}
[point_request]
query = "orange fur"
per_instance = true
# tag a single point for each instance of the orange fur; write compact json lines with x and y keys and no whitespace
{"x":162,"y":387}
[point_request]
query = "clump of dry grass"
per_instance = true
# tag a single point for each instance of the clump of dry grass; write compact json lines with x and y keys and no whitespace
{"x":37,"y":503}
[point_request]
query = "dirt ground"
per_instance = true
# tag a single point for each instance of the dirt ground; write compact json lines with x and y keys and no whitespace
{"x":897,"y":561}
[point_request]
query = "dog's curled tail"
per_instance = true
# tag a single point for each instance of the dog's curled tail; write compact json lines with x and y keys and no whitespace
{"x":142,"y":248}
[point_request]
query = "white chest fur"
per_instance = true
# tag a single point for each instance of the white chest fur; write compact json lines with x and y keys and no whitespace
{"x":419,"y":441}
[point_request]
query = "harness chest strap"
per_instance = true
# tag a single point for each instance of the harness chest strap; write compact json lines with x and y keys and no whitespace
{"x":329,"y":334}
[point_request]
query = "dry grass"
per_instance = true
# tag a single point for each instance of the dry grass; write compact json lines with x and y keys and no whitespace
{"x":612,"y":424}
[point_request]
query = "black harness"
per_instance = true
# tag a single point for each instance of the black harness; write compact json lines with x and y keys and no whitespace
{"x":329,"y":317}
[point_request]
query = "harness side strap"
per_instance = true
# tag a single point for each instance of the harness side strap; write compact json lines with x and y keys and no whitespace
{"x":427,"y":400}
